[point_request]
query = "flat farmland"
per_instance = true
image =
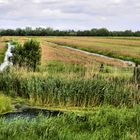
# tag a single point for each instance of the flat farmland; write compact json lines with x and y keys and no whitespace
{"x":87,"y":89}
{"x":58,"y":52}
{"x":122,"y":48}
{"x":56,"y":57}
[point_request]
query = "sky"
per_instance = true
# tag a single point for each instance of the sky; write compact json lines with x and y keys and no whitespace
{"x":71,"y":14}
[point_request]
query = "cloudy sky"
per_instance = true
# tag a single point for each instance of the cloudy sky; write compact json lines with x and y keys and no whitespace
{"x":71,"y":14}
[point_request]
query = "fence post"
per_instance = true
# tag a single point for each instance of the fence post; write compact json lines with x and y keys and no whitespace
{"x":101,"y":68}
{"x":136,"y":75}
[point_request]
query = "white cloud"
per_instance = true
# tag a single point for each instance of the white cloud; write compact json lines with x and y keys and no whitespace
{"x":77,"y":14}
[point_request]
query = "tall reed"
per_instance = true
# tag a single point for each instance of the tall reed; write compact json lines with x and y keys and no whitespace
{"x":62,"y":91}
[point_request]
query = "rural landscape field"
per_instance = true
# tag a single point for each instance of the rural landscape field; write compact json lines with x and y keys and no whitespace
{"x":97,"y":98}
{"x":70,"y":70}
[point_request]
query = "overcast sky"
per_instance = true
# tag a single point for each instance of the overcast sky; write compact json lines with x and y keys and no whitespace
{"x":71,"y":14}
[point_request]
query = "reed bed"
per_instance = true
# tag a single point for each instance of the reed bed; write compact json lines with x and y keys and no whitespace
{"x":55,"y":90}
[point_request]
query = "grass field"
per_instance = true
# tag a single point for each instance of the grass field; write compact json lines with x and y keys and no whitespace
{"x":123,"y":48}
{"x":107,"y":100}
{"x":55,"y":52}
{"x":69,"y":58}
{"x":103,"y":123}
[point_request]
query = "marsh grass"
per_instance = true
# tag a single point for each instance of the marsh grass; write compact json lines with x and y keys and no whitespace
{"x":105,"y":122}
{"x":5,"y":103}
{"x":62,"y":68}
{"x":55,"y":90}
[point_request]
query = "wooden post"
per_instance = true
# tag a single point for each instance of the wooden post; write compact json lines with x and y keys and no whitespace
{"x":136,"y":76}
{"x":101,"y":68}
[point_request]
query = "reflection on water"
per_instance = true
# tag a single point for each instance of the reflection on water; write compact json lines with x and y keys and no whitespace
{"x":31,"y":113}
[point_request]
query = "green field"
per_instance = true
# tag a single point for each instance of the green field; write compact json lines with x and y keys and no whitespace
{"x":97,"y":103}
{"x":122,"y":48}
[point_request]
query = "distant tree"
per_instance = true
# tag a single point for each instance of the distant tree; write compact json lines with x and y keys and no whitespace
{"x":28,"y":31}
{"x":127,"y":33}
{"x":137,"y":33}
{"x":102,"y":32}
{"x":94,"y":32}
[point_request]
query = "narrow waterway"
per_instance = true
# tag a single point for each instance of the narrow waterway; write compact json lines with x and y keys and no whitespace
{"x":129,"y":63}
{"x":8,"y":54}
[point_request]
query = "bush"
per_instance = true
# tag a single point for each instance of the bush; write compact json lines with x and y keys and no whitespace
{"x":28,"y":55}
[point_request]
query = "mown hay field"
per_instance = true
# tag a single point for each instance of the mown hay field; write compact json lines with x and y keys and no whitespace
{"x":122,"y":48}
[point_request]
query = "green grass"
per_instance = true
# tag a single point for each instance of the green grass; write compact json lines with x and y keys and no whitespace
{"x":122,"y":48}
{"x":5,"y":104}
{"x":112,"y":54}
{"x":57,"y":90}
{"x":102,"y":52}
{"x":59,"y":67}
{"x":2,"y":54}
{"x":98,"y":105}
{"x":106,"y":123}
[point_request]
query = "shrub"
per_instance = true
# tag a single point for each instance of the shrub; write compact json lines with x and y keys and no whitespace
{"x":28,"y":55}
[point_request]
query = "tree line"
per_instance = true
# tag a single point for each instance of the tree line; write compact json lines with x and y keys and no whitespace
{"x":28,"y":31}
